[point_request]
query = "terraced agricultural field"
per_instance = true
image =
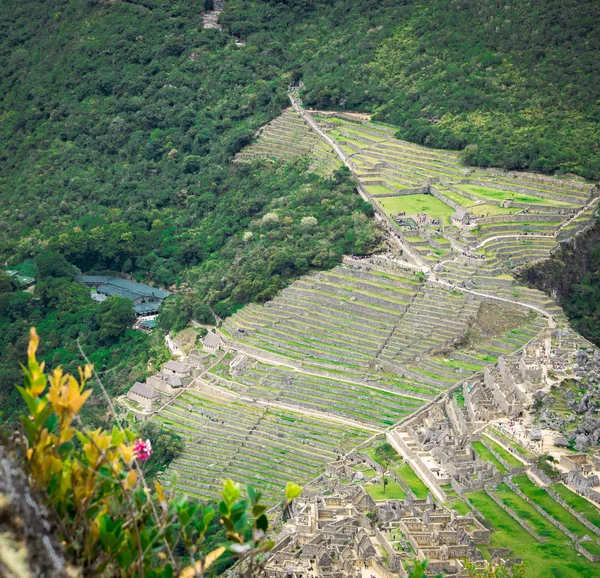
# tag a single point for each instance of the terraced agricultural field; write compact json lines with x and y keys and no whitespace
{"x":343,"y":354}
{"x":556,"y":557}
{"x":266,"y":446}
{"x":351,"y":351}
{"x":384,"y":164}
{"x":494,"y":194}
{"x":411,"y":204}
{"x":289,"y":138}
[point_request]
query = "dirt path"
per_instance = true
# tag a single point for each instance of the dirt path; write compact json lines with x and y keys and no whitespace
{"x":291,"y":407}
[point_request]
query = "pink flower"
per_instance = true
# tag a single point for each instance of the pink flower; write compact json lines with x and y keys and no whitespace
{"x":143,"y":450}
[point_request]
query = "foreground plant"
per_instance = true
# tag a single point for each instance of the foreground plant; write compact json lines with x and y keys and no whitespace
{"x":110,"y":522}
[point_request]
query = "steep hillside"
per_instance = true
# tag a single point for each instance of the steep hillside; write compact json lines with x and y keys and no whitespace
{"x":119,"y":121}
{"x":572,"y":277}
{"x":517,"y":82}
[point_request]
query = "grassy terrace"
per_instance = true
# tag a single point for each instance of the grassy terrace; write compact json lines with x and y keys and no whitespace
{"x":354,"y":401}
{"x":288,"y":138}
{"x":250,"y":444}
{"x":487,"y":456}
{"x":509,"y":458}
{"x":583,"y":506}
{"x":493,"y":194}
{"x":556,"y":558}
{"x":393,"y":491}
{"x":551,"y":506}
{"x":340,"y":317}
{"x":411,"y":204}
{"x":508,"y":441}
{"x":418,"y":488}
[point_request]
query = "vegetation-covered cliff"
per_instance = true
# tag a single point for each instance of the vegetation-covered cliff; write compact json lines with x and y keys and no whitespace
{"x":572,"y":277}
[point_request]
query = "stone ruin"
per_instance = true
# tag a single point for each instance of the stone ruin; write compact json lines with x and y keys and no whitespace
{"x":345,"y":533}
{"x":439,"y":535}
{"x":327,"y":536}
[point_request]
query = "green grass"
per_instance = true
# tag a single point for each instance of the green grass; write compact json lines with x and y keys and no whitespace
{"x":457,"y":363}
{"x":459,"y":506}
{"x":550,"y":505}
{"x":393,"y":491}
{"x":591,"y":547}
{"x":529,"y":514}
{"x":453,"y":196}
{"x":418,"y":488}
{"x":378,"y":190}
{"x":499,"y":195}
{"x":551,"y":560}
{"x":487,"y":456}
{"x":511,"y":460}
{"x":520,"y":449}
{"x":412,"y":204}
{"x":583,"y":506}
{"x":489,"y":210}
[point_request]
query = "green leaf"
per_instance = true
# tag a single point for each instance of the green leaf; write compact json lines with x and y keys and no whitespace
{"x":258,"y":509}
{"x":117,"y":436}
{"x":29,"y":427}
{"x":231,"y":492}
{"x":65,"y":448}
{"x":51,"y":421}
{"x":29,"y":400}
{"x":228,"y":524}
{"x":292,"y":490}
{"x":262,"y":523}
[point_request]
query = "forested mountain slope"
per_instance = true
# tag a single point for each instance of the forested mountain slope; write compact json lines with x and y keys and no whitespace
{"x":119,"y":121}
{"x":516,"y":81}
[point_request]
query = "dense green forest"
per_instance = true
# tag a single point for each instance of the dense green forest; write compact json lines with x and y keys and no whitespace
{"x":66,"y":317}
{"x":516,"y":83}
{"x":119,"y":121}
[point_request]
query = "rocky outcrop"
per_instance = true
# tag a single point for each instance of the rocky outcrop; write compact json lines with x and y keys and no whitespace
{"x":29,"y":547}
{"x":568,"y":266}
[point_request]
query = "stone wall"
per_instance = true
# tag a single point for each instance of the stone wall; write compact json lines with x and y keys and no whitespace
{"x":556,"y":196}
{"x":427,"y":476}
{"x":519,"y":218}
{"x":267,"y":355}
{"x":541,"y":475}
{"x":513,"y":470}
{"x":552,"y":520}
{"x":574,"y":512}
{"x":515,"y":516}
{"x":438,"y":195}
{"x":393,"y":556}
{"x":498,"y":439}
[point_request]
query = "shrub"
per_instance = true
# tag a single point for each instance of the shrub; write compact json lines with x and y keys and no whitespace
{"x":110,"y":521}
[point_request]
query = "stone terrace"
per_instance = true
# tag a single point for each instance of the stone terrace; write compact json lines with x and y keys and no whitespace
{"x":289,"y":138}
{"x":371,"y":404}
{"x":267,"y":447}
{"x":339,"y":318}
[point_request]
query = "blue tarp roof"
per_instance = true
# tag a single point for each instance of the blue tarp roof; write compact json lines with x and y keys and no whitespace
{"x":144,"y":308}
{"x":124,"y":287}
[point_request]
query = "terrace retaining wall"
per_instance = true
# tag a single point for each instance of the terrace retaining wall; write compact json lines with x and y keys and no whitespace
{"x":518,"y":218}
{"x":523,"y":190}
{"x":514,"y":516}
{"x":543,"y":512}
{"x":433,"y":191}
{"x":574,"y":512}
